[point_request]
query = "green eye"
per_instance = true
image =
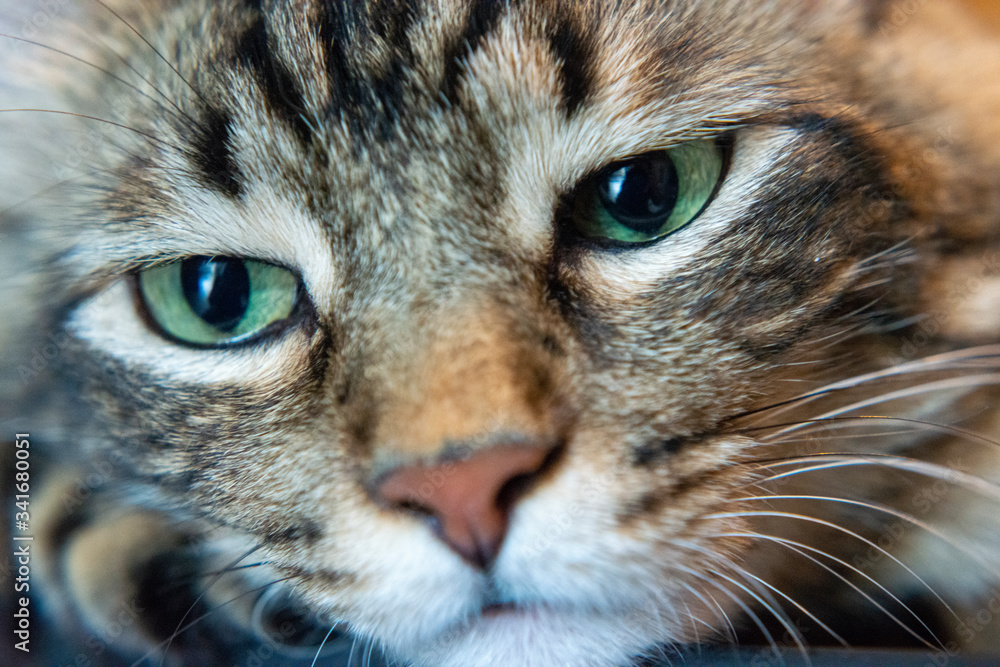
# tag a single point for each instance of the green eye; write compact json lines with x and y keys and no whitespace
{"x":217,"y":300}
{"x":649,"y":196}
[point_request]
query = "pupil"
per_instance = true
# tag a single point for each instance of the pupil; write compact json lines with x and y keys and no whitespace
{"x":641,"y":194}
{"x":217,"y":289}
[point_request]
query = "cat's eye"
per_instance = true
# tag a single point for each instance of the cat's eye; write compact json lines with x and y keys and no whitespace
{"x":650,"y":196}
{"x":217,"y":300}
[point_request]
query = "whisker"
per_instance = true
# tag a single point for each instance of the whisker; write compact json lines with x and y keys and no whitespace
{"x":110,"y":74}
{"x":350,"y":656}
{"x":965,"y":382}
{"x":798,"y":606}
{"x":968,"y":549}
{"x":816,"y":436}
{"x":98,"y":120}
{"x":826,"y":461}
{"x":937,"y":363}
{"x":755,"y":619}
{"x":202,"y":595}
{"x":165,"y":644}
{"x":690,"y":615}
{"x":152,"y":48}
{"x":48,"y":190}
{"x":836,"y":527}
{"x":709,"y":603}
{"x":319,"y":650}
{"x":217,"y":573}
{"x":770,"y":605}
{"x":846,"y":422}
{"x":798,"y":548}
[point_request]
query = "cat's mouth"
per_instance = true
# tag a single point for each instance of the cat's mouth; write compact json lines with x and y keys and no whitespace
{"x":500,"y":609}
{"x":494,"y":603}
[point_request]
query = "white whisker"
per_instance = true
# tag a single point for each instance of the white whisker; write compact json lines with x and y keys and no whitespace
{"x":974,"y":357}
{"x":323,"y":643}
{"x":110,"y":74}
{"x":104,"y":121}
{"x":710,"y":602}
{"x":798,"y":606}
{"x":799,"y":548}
{"x":827,"y":461}
{"x":152,"y":48}
{"x":838,"y":528}
{"x":762,"y":597}
{"x":965,"y":382}
{"x":165,"y":644}
{"x":754,"y":618}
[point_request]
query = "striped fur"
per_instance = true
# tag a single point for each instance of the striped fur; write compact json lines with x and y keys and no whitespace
{"x":415,"y":162}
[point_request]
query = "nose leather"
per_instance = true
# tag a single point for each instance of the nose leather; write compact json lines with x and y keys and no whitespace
{"x":469,"y":500}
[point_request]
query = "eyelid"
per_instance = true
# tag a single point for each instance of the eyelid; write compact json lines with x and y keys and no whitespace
{"x":302,"y":310}
{"x":567,"y":226}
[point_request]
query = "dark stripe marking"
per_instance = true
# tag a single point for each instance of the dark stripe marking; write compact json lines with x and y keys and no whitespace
{"x":213,"y":153}
{"x":306,"y":531}
{"x":391,"y":20}
{"x":389,"y":88}
{"x":573,"y":54}
{"x":278,"y":87}
{"x":652,"y":503}
{"x":481,"y":20}
{"x":373,"y":100}
{"x":327,"y":577}
{"x":660,"y":449}
{"x":335,"y":34}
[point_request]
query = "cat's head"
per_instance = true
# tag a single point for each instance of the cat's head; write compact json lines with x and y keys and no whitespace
{"x":458,"y":309}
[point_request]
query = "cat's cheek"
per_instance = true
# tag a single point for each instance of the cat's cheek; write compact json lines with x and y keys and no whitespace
{"x":405,"y":587}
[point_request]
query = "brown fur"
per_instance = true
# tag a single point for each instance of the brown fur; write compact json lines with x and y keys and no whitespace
{"x":413,"y":163}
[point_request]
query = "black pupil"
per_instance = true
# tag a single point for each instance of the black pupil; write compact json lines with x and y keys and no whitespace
{"x":642,"y":193}
{"x":217,"y":289}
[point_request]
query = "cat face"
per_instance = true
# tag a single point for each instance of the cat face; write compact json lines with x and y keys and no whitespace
{"x":459,"y":311}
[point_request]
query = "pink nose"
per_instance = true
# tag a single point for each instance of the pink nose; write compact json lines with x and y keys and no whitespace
{"x":470,"y":500}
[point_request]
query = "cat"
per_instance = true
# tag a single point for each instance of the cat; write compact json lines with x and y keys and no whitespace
{"x":531,"y":332}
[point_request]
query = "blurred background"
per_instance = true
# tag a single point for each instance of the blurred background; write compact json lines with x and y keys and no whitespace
{"x":989,"y":9}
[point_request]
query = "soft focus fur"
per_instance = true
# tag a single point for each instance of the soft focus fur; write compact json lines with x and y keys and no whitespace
{"x":777,"y":424}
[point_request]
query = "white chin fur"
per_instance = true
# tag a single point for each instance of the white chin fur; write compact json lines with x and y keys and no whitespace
{"x":537,"y":638}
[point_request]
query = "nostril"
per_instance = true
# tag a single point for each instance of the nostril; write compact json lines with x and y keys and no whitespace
{"x":469,"y":501}
{"x":520,"y":485}
{"x":415,"y":507}
{"x":510,"y":492}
